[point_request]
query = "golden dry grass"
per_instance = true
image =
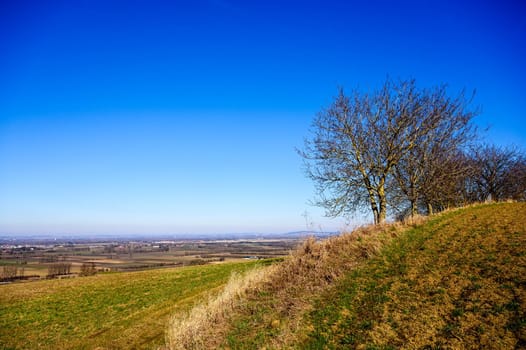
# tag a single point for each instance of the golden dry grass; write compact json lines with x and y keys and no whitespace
{"x":185,"y":331}
{"x":455,"y":281}
{"x":272,"y":305}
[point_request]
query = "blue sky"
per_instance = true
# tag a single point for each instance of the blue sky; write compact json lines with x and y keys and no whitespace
{"x":183,"y":116}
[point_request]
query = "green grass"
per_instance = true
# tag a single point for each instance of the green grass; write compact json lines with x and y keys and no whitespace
{"x":456,"y":282}
{"x":110,"y":311}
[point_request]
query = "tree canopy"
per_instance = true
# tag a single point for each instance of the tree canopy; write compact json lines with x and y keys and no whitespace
{"x":387,"y":147}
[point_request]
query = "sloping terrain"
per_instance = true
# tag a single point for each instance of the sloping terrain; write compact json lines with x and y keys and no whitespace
{"x":454,"y":281}
{"x":457,"y":281}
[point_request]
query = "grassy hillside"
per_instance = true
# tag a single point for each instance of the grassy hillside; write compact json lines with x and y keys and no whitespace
{"x":456,"y":281}
{"x":112,"y":311}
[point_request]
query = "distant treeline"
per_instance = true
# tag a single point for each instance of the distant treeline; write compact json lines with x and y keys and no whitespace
{"x":59,"y":268}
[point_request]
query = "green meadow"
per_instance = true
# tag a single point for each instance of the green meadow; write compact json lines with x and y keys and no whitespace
{"x":107,"y":311}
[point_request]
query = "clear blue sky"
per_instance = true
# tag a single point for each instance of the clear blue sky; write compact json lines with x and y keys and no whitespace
{"x":184,"y":116}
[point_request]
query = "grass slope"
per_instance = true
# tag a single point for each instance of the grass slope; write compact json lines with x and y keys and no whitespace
{"x":111,"y":311}
{"x":457,"y":282}
{"x":268,"y":311}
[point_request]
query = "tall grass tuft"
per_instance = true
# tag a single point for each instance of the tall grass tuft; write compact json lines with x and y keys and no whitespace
{"x":187,"y":332}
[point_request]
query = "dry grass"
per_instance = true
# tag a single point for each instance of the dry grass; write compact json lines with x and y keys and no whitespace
{"x":269,"y":304}
{"x":455,"y":283}
{"x":312,"y":269}
{"x":480,"y":271}
{"x":185,"y":332}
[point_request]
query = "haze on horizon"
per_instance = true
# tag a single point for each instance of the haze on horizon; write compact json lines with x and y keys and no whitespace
{"x":158,"y":117}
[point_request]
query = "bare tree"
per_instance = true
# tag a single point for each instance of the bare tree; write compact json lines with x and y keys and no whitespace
{"x":59,"y":268}
{"x":431,"y":171}
{"x":88,"y":269}
{"x":9,"y":272}
{"x":444,"y":181}
{"x":499,"y":172}
{"x":515,"y":181}
{"x":359,"y":140}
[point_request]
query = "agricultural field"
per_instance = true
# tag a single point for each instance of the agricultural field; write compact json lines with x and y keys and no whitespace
{"x":124,"y":310}
{"x":36,"y":260}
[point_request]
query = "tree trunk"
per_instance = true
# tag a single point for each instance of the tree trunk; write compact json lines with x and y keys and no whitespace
{"x":413,"y":208}
{"x":429,"y":209}
{"x":374,"y":208}
{"x":382,"y":212}
{"x":412,"y":196}
{"x":374,"y":205}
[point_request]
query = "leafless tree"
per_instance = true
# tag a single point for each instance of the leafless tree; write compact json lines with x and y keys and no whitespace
{"x":430,"y":172}
{"x":515,"y":182}
{"x":59,"y":268}
{"x":445,"y":180}
{"x":9,"y":272}
{"x":360,"y":138}
{"x":499,"y":173}
{"x":88,"y":269}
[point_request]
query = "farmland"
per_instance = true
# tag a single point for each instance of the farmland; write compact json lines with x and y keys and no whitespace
{"x":107,"y":311}
{"x":454,"y":280}
{"x":134,"y":287}
{"x":36,"y":259}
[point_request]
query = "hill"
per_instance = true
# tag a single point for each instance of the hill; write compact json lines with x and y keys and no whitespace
{"x":454,"y":281}
{"x":107,"y":311}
